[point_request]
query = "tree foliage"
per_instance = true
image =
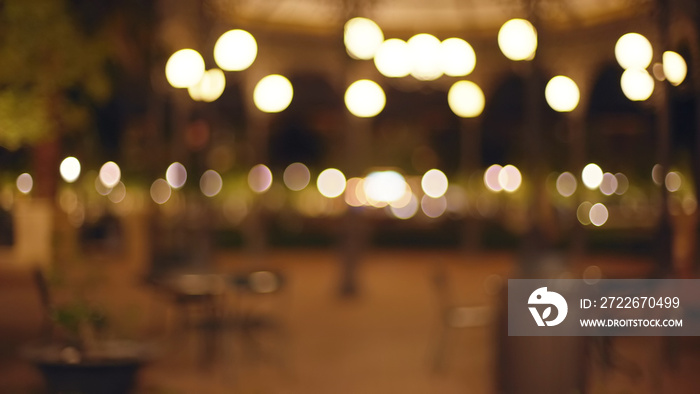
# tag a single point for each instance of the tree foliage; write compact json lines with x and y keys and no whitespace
{"x":52,"y":71}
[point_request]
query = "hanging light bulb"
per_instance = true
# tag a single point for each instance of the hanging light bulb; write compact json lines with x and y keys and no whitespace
{"x":184,"y":68}
{"x":517,"y":39}
{"x":362,"y":38}
{"x":562,"y":94}
{"x":235,"y":50}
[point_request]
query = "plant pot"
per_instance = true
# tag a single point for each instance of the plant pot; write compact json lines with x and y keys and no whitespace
{"x":110,"y":368}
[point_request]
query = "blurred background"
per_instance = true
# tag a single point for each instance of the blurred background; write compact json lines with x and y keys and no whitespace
{"x":224,"y":196}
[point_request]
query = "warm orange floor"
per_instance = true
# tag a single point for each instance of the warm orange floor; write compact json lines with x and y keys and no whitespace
{"x":382,"y":341}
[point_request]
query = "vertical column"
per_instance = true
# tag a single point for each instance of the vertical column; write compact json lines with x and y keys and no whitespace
{"x":577,"y":143}
{"x":470,"y":159}
{"x":257,"y":129}
{"x":664,"y":235}
{"x":354,"y":233}
{"x":355,"y":230}
{"x":535,"y":241}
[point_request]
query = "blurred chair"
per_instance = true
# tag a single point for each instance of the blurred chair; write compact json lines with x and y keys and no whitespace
{"x":258,"y":303}
{"x":197,"y":300}
{"x":452,"y":315}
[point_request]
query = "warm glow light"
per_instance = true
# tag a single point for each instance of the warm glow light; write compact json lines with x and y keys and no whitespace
{"x":592,"y":176}
{"x":384,"y":186}
{"x":622,"y":183}
{"x":406,"y":211}
{"x":675,"y":68}
{"x":273,"y":94}
{"x":566,"y":184}
{"x":365,"y":98}
{"x":433,"y":207}
{"x":118,"y":193}
{"x":404,"y":199}
{"x":110,"y":174}
{"x":562,"y":94}
{"x":598,"y":214}
{"x":312,"y":203}
{"x":176,"y":175}
{"x":637,"y":85}
{"x":70,"y":169}
{"x":657,"y":70}
{"x":25,"y":183}
{"x":331,"y":183}
{"x":210,"y":87}
{"x":184,"y":68}
{"x":633,"y":51}
{"x":583,"y":213}
{"x":296,"y":176}
{"x":68,"y":200}
{"x":457,"y":199}
{"x":355,"y":193}
{"x":101,"y":189}
{"x":608,"y":185}
{"x":424,"y":52}
{"x":362,"y":38}
{"x":160,"y":191}
{"x":434,"y":183}
{"x":457,"y":57}
{"x":259,"y":178}
{"x":235,"y":50}
{"x":466,"y":99}
{"x":517,"y":39}
{"x":657,"y":174}
{"x":509,"y":178}
{"x":393,"y":58}
{"x":689,"y":205}
{"x":673,"y":181}
{"x":210,"y":183}
{"x":491,"y":178}
{"x":235,"y":208}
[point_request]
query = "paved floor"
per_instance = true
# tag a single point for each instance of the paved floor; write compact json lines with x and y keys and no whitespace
{"x":384,"y":340}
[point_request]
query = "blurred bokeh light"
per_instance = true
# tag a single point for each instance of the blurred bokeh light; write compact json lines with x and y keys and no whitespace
{"x":362,"y":38}
{"x":633,"y":51}
{"x":466,"y":99}
{"x":259,"y":178}
{"x":365,"y":98}
{"x":562,"y":94}
{"x":517,"y":39}
{"x":160,"y":191}
{"x":176,"y":175}
{"x":637,"y":85}
{"x":24,"y":183}
{"x":674,"y":67}
{"x":384,"y":186}
{"x":210,"y":87}
{"x":210,"y":183}
{"x":424,"y":51}
{"x":235,"y":50}
{"x":296,"y":176}
{"x":273,"y":94}
{"x":184,"y":68}
{"x":457,"y":57}
{"x":110,"y":174}
{"x":434,"y":183}
{"x":70,"y":169}
{"x":331,"y":183}
{"x":393,"y":58}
